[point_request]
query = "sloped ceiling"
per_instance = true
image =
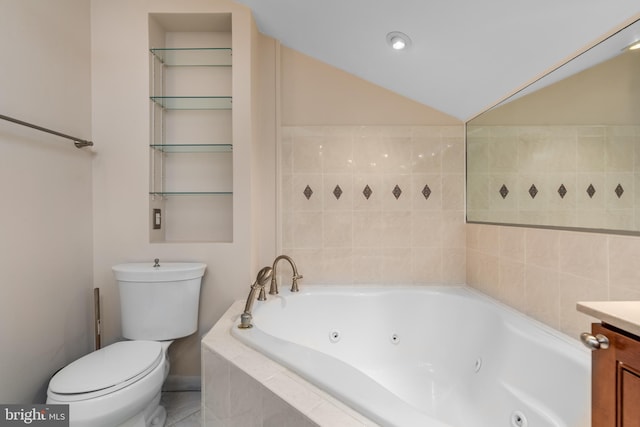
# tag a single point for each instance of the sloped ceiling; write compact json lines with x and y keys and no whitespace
{"x":465,"y":55}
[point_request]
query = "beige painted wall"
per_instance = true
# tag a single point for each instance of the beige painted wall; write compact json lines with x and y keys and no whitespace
{"x":45,"y":218}
{"x":314,"y":93}
{"x":120,"y":73}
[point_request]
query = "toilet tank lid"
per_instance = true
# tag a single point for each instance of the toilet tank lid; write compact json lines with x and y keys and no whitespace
{"x":166,"y":272}
{"x":107,"y":367}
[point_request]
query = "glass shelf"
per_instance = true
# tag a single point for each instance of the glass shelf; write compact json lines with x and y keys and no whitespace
{"x":193,"y":148}
{"x":193,"y":102}
{"x":194,"y":57}
{"x":190,"y":193}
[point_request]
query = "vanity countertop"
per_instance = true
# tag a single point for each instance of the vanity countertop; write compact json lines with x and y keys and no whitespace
{"x":624,"y":315}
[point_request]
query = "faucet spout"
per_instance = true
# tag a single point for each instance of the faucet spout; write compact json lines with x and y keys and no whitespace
{"x":258,"y":286}
{"x":273,"y":288}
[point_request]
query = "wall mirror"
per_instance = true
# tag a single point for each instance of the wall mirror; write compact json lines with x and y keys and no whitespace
{"x":565,"y":151}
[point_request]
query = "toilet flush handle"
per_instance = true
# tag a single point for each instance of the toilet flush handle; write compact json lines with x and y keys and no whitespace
{"x":157,"y":262}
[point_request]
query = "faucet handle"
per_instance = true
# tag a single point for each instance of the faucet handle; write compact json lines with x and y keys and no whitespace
{"x":294,"y":283}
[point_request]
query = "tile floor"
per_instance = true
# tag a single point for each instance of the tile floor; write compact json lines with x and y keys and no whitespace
{"x":183,"y":408}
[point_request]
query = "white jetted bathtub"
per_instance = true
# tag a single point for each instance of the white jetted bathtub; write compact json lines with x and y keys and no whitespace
{"x":426,"y":356}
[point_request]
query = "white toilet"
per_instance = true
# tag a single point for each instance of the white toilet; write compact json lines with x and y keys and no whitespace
{"x":119,"y":385}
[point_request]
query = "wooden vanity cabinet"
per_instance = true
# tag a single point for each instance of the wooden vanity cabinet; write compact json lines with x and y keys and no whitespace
{"x":615,"y":379}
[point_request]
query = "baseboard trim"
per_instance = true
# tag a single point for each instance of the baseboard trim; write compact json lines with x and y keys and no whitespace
{"x":182,"y":383}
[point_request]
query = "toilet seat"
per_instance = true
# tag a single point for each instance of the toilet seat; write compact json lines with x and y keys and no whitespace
{"x":106,"y":370}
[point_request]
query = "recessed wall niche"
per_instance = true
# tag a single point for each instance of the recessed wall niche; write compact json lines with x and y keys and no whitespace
{"x":191,"y":141}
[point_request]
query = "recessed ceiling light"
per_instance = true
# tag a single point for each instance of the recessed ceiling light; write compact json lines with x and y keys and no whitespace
{"x":398,"y":40}
{"x":633,"y":46}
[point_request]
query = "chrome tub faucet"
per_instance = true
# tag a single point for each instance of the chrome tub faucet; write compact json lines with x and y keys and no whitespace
{"x":273,"y":288}
{"x":263,"y":275}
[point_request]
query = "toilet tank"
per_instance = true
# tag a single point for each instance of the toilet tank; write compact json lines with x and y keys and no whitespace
{"x":159,"y":302}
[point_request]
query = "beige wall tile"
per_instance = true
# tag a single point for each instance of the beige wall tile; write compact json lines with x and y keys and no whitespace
{"x":367,"y":229}
{"x":453,"y":153}
{"x":396,"y":265}
{"x":307,"y":230}
{"x":426,"y":154}
{"x":428,"y":266}
{"x":583,"y":255}
{"x":511,"y":288}
{"x":396,"y":229}
{"x":337,"y":154}
{"x":360,"y":182}
{"x":544,"y":273}
{"x":572,"y":290}
{"x":426,"y":229}
{"x":512,"y":243}
{"x":541,"y":248}
{"x":453,"y":192}
{"x":435,"y":193}
{"x":381,"y":237}
{"x":346,"y":194}
{"x":337,"y":230}
{"x":307,"y":154}
{"x":453,"y":259}
{"x":367,"y":265}
{"x":453,"y":230}
{"x":543,"y":294}
{"x":337,"y":265}
{"x":623,"y":262}
{"x":389,"y":200}
{"x":299,"y":201}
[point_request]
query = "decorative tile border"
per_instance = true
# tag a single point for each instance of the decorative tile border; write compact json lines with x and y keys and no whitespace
{"x":367,"y":192}
{"x":562,"y":191}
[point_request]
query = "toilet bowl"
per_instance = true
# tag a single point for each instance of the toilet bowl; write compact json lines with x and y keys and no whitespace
{"x":120,"y":385}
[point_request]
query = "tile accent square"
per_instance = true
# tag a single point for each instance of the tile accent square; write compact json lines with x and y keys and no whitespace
{"x":307,"y":192}
{"x":426,"y":191}
{"x":396,"y":192}
{"x":337,"y":192}
{"x":367,"y":192}
{"x":504,"y":191}
{"x":562,"y":191}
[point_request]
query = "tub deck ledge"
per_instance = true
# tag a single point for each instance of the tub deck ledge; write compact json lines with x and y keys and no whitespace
{"x":239,"y":383}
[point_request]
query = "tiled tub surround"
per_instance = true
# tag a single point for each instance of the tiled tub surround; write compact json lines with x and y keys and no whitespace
{"x":241,"y":387}
{"x":578,"y":176}
{"x":373,"y":204}
{"x":544,"y":273}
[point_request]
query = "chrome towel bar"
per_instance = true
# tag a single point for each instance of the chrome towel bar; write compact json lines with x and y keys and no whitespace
{"x":78,"y":142}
